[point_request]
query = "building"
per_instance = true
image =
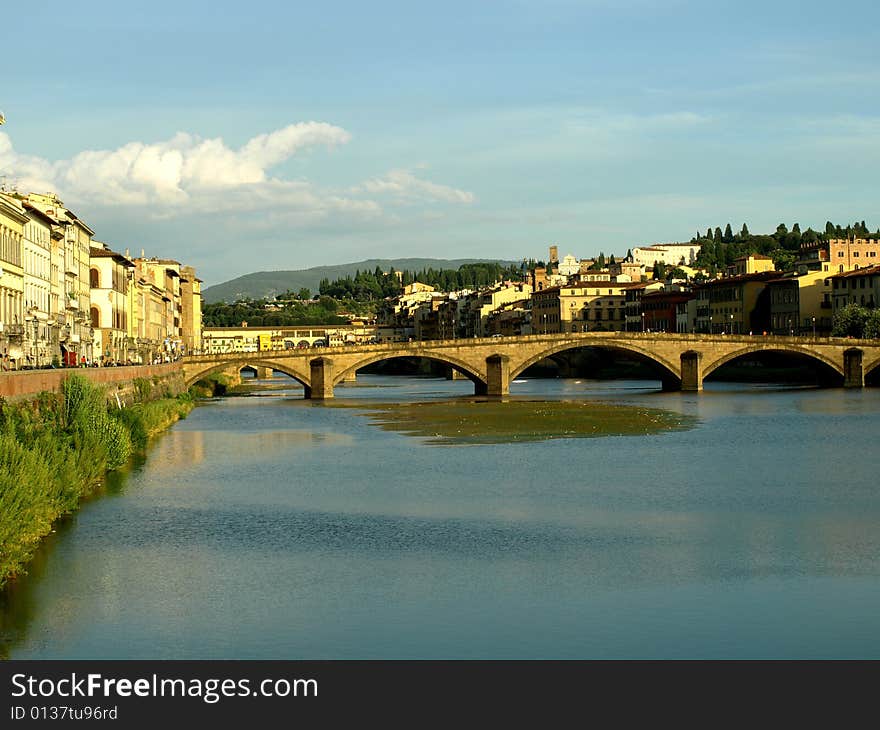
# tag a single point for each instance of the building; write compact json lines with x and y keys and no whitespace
{"x":12,"y":223}
{"x":754,"y":263}
{"x":734,"y":305}
{"x":39,"y":348}
{"x":849,"y":254}
{"x":672,"y":254}
{"x":569,"y":266}
{"x":191,"y":310}
{"x":801,"y":303}
{"x":479,"y":305}
{"x":110,"y":278}
{"x":860,"y":287}
{"x":588,"y":307}
{"x":223,"y":340}
{"x":75,"y":334}
{"x":661,"y":309}
{"x":635,"y":321}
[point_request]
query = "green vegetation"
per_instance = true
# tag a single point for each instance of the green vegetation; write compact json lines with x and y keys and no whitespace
{"x":854,"y":320}
{"x":280,"y":313}
{"x":54,"y":452}
{"x":357,"y":295}
{"x":211,"y":385}
{"x":720,"y":249}
{"x":492,"y":422}
{"x":268,"y":284}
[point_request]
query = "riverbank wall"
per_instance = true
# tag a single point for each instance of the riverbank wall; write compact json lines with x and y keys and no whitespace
{"x":127,"y":383}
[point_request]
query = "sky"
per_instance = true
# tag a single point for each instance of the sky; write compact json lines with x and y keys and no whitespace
{"x":242,"y":137}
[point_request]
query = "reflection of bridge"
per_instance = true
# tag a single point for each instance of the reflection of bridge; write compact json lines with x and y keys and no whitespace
{"x":681,"y":360}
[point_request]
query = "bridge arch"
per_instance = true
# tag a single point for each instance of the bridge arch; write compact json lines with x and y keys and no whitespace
{"x":238,"y":364}
{"x":670,"y":372}
{"x":462,"y":366}
{"x":871,"y":365}
{"x":774,"y":347}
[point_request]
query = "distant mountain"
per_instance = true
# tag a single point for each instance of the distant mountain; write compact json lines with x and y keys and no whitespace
{"x":262,"y":284}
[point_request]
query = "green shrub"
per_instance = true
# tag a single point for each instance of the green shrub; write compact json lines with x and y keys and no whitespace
{"x":55,"y":451}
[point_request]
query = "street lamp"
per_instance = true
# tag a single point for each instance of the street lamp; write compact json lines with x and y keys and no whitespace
{"x":731,"y":324}
{"x":710,"y":324}
{"x":790,"y":330}
{"x":814,"y":328}
{"x":643,"y":322}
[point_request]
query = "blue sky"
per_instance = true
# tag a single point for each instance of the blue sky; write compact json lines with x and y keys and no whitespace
{"x":242,"y":137}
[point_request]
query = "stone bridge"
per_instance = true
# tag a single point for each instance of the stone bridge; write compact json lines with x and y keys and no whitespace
{"x":681,"y":360}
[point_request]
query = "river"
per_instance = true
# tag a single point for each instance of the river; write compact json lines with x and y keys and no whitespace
{"x":272,"y":527}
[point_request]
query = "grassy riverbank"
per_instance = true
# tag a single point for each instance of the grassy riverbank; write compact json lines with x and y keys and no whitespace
{"x":55,"y":451}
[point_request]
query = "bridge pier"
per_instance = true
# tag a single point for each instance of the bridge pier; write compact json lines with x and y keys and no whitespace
{"x":497,"y":375}
{"x":853,"y":371}
{"x":350,"y":377}
{"x":263,"y":373}
{"x":321,"y":380}
{"x":691,"y":371}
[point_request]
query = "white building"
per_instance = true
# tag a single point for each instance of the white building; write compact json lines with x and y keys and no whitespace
{"x":667,"y":253}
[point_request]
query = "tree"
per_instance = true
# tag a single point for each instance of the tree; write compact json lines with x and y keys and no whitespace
{"x":783,"y":260}
{"x":659,"y":271}
{"x":872,"y":325}
{"x":728,"y":234}
{"x":719,"y":236}
{"x":850,"y":321}
{"x":304,"y":294}
{"x":744,"y":233}
{"x":829,"y":228}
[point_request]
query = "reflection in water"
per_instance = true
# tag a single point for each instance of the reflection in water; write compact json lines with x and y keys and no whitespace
{"x":274,"y":527}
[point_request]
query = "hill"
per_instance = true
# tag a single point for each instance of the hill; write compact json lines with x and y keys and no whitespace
{"x":262,"y":284}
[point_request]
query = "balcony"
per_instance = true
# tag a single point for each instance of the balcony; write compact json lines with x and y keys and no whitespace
{"x":13,"y":330}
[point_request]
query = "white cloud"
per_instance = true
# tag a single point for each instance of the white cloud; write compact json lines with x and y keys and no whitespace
{"x":188,"y":175}
{"x":185,"y":170}
{"x":406,"y":187}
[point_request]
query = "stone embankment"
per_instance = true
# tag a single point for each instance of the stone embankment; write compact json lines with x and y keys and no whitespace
{"x":117,"y":381}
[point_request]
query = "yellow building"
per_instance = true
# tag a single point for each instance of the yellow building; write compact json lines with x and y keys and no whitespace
{"x":191,"y":310}
{"x":754,"y":263}
{"x":587,"y":307}
{"x":75,"y":336}
{"x":110,"y":277}
{"x":734,"y":305}
{"x":801,"y":303}
{"x":12,"y":222}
